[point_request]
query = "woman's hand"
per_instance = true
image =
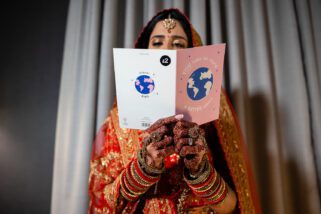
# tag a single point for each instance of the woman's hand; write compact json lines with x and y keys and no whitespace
{"x":159,"y":143}
{"x":190,"y":144}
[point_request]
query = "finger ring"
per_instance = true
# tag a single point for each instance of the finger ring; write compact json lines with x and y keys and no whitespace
{"x":190,"y":141}
{"x":194,"y":132}
{"x":156,"y":136}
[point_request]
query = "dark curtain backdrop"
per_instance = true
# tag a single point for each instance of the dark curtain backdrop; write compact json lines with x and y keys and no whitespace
{"x":32,"y":38}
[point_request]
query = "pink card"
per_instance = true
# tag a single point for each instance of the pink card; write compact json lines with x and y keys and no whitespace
{"x":198,"y":82}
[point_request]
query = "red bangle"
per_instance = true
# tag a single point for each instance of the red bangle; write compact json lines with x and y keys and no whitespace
{"x":133,"y":179}
{"x":130,"y":187}
{"x":206,"y":182}
{"x":220,"y":194}
{"x":146,"y":178}
{"x":210,"y":192}
{"x":125,"y":192}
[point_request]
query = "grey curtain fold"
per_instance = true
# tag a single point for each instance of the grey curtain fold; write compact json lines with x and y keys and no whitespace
{"x":198,"y":17}
{"x":260,"y":107}
{"x":272,"y":75}
{"x":309,"y":32}
{"x":293,"y":105}
{"x":106,"y":88}
{"x":77,"y":108}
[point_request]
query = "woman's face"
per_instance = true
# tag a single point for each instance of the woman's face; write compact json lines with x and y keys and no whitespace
{"x":160,"y":38}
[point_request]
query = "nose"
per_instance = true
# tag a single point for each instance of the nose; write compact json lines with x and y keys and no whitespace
{"x":168,"y":45}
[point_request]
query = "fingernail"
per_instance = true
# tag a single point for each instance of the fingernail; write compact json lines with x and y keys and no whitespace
{"x":179,"y":116}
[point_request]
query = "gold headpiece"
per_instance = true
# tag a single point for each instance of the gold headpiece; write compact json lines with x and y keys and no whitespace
{"x":169,"y":23}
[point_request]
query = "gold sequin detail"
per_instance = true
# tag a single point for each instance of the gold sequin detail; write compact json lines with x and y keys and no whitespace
{"x":127,"y":138}
{"x":230,"y":142}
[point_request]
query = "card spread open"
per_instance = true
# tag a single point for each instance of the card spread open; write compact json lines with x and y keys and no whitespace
{"x":153,"y":84}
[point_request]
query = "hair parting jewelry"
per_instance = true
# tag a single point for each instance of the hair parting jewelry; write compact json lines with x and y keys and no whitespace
{"x":169,"y":23}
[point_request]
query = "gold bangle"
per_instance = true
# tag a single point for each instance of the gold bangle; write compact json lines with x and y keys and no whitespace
{"x":207,"y":187}
{"x":132,"y":184}
{"x":202,"y":177}
{"x":124,"y":196}
{"x":137,"y":193}
{"x":152,"y":177}
{"x":222,"y":201}
{"x":212,"y":191}
{"x":125,"y":193}
{"x":200,"y":172}
{"x":221,"y":191}
{"x":137,"y":178}
{"x":148,"y":169}
{"x":217,"y":182}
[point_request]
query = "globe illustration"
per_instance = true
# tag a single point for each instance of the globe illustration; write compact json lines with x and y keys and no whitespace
{"x":200,"y":83}
{"x":144,"y":84}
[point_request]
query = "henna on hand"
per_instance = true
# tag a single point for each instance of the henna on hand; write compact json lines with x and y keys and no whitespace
{"x":193,"y":156}
{"x":159,"y":143}
{"x":164,"y":122}
{"x":156,"y":151}
{"x":189,"y":143}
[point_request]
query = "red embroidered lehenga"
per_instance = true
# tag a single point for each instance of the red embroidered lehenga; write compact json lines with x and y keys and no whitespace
{"x":115,"y":148}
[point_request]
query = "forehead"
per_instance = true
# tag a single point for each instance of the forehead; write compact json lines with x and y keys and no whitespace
{"x":159,"y":29}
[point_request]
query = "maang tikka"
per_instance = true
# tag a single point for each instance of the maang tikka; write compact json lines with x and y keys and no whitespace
{"x":169,"y":23}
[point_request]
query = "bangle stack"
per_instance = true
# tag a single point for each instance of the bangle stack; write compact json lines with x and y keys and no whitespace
{"x":208,"y":185}
{"x":135,"y":182}
{"x":141,"y":157}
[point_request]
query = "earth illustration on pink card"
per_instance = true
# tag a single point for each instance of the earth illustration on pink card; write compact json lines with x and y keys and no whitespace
{"x":153,"y":84}
{"x":199,"y":79}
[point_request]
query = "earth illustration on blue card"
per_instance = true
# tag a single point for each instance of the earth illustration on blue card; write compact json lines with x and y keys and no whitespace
{"x":144,"y":84}
{"x":200,"y":83}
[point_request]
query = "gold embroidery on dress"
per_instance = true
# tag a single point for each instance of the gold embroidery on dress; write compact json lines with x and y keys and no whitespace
{"x":110,"y":163}
{"x":181,"y":200}
{"x":228,"y":129}
{"x":110,"y":192}
{"x":129,"y":143}
{"x":128,"y":139}
{"x":158,"y":205}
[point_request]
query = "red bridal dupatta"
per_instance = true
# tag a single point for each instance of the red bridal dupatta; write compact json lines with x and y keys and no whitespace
{"x":114,"y":149}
